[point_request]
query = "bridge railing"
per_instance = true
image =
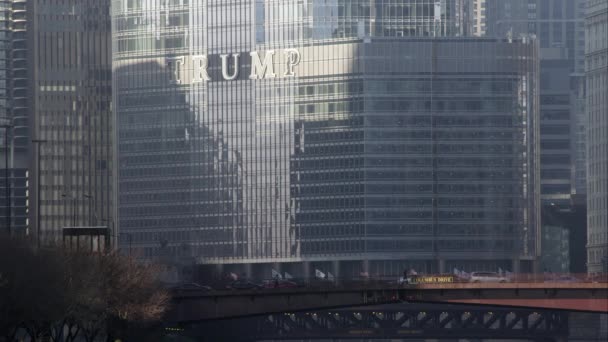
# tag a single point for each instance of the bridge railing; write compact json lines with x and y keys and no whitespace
{"x":398,"y":281}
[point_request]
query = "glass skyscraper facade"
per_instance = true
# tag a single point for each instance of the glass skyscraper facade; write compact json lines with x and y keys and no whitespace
{"x":14,"y":117}
{"x":5,"y":117}
{"x":70,"y":103}
{"x":559,"y":26}
{"x":351,"y":136}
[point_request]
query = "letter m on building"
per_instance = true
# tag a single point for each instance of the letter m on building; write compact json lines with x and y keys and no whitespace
{"x":261,"y":70}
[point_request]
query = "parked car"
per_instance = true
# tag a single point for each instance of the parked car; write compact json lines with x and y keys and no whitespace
{"x":598,"y":278}
{"x":403,"y":281}
{"x":243,"y":285}
{"x":487,"y":277}
{"x":564,"y":279}
{"x":280,"y":284}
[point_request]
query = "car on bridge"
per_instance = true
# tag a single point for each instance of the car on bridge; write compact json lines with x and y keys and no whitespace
{"x":487,"y":277}
{"x":244,"y":285}
{"x":280,"y":284}
{"x":564,"y":278}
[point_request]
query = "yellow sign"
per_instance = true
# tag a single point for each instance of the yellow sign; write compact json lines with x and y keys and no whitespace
{"x":432,"y":279}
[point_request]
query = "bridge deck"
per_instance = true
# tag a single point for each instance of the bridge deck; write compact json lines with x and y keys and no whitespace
{"x":384,"y":287}
{"x":204,"y":305}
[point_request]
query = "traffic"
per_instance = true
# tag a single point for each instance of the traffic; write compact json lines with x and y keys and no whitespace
{"x":233,"y":282}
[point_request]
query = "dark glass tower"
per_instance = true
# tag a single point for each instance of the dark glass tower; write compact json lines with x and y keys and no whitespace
{"x":70,"y":100}
{"x":347,"y":136}
{"x":14,"y":118}
{"x":559,"y":26}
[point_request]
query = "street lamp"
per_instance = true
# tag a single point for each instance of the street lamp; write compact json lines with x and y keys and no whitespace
{"x":37,"y":142}
{"x":6,"y":178}
{"x":93,"y":220}
{"x":75,"y":206}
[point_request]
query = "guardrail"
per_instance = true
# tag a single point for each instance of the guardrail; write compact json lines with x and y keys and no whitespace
{"x":396,"y":281}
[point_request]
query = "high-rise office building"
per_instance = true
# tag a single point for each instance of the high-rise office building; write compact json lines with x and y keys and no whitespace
{"x":5,"y":119}
{"x":596,"y":61}
{"x":14,"y":134}
{"x":70,"y":84}
{"x":559,"y":28}
{"x":478,"y":17}
{"x":346,"y":136}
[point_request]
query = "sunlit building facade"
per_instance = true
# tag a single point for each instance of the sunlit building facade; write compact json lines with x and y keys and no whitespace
{"x":478,"y":17}
{"x":345,"y":136}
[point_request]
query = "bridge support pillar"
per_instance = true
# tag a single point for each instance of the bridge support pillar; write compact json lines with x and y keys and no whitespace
{"x":441,"y":266}
{"x":336,"y":270}
{"x":516,"y":266}
{"x":219,"y":269}
{"x":365,"y":266}
{"x":306,"y":269}
{"x":277,"y":267}
{"x":247,"y":270}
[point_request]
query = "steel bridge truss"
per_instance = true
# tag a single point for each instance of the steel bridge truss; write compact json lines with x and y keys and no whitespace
{"x":415,"y":321}
{"x":400,"y":324}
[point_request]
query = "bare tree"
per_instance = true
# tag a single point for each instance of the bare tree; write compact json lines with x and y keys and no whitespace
{"x":32,"y":295}
{"x":64,"y":295}
{"x":133,"y":292}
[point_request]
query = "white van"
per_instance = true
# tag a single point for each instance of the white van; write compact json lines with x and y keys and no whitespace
{"x":487,"y":277}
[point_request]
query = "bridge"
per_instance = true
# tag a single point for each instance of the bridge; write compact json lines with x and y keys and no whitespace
{"x":401,"y":321}
{"x":199,"y":306}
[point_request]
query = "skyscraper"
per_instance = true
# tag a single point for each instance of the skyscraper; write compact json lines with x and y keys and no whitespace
{"x":5,"y":118}
{"x":339,"y":135}
{"x":14,"y":117}
{"x":559,"y":27}
{"x":478,"y":15}
{"x":597,"y":135}
{"x":70,"y":78}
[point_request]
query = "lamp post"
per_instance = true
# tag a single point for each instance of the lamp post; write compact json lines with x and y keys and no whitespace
{"x":93,"y":220}
{"x":6,"y":178}
{"x":75,"y":206}
{"x":37,"y":142}
{"x":65,"y":196}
